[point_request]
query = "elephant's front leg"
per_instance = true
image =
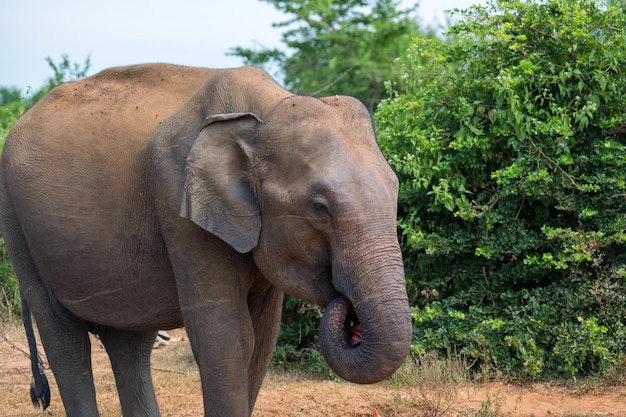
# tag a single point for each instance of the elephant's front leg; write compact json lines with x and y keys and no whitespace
{"x":222,"y":341}
{"x":213,"y":290}
{"x":213,"y":282}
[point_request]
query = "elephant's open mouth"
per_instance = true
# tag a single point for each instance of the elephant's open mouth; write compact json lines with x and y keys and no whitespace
{"x":355,"y":333}
{"x":342,"y":323}
{"x":352,"y":328}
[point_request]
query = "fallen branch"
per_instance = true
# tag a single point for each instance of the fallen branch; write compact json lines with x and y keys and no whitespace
{"x":173,"y":371}
{"x":27,"y":354}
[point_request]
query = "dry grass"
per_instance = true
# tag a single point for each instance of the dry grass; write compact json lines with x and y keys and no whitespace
{"x":432,"y":384}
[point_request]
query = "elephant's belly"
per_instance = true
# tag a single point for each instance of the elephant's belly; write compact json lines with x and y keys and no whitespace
{"x":128,"y":308}
{"x":131,"y":299}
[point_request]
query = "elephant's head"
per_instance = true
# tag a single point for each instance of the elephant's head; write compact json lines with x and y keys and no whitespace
{"x":306,"y":189}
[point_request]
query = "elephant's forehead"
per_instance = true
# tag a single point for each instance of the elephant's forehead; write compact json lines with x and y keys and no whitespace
{"x":323,"y":141}
{"x":316,"y":116}
{"x":326,"y":151}
{"x":344,"y":171}
{"x":323,"y":137}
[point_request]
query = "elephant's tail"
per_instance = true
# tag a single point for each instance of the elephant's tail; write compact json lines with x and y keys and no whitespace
{"x":39,"y":389}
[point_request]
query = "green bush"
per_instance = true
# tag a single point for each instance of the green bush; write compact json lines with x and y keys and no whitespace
{"x":510,"y":144}
{"x":9,"y":292}
{"x":9,"y":113}
{"x":296,"y":348}
{"x":10,"y":307}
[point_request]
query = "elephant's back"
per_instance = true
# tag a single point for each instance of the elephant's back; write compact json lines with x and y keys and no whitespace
{"x":100,"y":124}
{"x":138,"y":98}
{"x":117,"y":105}
{"x":83,"y":143}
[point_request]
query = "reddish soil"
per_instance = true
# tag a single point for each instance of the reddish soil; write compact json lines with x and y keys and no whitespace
{"x":177,"y":385}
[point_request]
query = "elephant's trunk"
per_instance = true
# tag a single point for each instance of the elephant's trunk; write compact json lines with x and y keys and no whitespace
{"x":365,"y":333}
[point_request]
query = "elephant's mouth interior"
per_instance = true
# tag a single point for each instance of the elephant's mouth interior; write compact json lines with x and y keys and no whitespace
{"x":355,"y":333}
{"x":352,"y":329}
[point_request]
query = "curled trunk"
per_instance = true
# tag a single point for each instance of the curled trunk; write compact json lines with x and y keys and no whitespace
{"x":365,"y":333}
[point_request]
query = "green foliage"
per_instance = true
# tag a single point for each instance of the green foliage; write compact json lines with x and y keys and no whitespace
{"x":10,"y":95}
{"x":299,"y":324}
{"x":10,"y":306}
{"x":509,"y":139}
{"x":11,"y":108}
{"x":9,"y":113}
{"x":297,"y":341}
{"x":338,"y":46}
{"x":9,"y":293}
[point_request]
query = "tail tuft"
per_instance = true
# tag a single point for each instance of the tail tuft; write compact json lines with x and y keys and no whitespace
{"x":40,"y":390}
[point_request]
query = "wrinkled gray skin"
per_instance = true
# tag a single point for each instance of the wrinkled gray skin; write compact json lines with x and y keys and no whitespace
{"x":156,"y":196}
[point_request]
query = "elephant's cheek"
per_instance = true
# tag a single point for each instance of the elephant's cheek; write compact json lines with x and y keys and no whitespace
{"x":306,"y":277}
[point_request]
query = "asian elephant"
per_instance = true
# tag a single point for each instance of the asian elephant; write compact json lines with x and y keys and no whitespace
{"x":158,"y":196}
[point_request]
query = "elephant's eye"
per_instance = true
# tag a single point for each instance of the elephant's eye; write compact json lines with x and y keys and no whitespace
{"x":320,"y":208}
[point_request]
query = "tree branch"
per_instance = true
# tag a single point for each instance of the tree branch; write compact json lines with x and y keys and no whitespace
{"x":619,"y":130}
{"x":335,"y":81}
{"x":554,"y":163}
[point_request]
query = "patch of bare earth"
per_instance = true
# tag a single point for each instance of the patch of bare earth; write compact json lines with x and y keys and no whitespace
{"x":178,"y":390}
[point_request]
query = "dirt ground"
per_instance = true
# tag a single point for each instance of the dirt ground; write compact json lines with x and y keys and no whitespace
{"x":178,"y":391}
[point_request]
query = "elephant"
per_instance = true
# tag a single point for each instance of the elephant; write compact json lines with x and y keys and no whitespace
{"x":155,"y":196}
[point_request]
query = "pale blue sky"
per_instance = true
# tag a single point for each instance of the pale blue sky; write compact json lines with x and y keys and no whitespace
{"x":122,"y":32}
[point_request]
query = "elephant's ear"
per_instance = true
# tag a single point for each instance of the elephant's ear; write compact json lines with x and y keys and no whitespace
{"x":216,"y":194}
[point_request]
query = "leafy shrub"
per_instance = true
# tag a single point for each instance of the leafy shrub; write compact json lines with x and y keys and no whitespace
{"x":10,"y":306}
{"x":9,"y":293}
{"x":9,"y":113}
{"x":510,"y":144}
{"x":296,"y":348}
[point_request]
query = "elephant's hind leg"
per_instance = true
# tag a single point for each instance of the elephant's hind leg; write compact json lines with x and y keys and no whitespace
{"x":63,"y":335}
{"x":68,"y":349}
{"x":130,"y":359}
